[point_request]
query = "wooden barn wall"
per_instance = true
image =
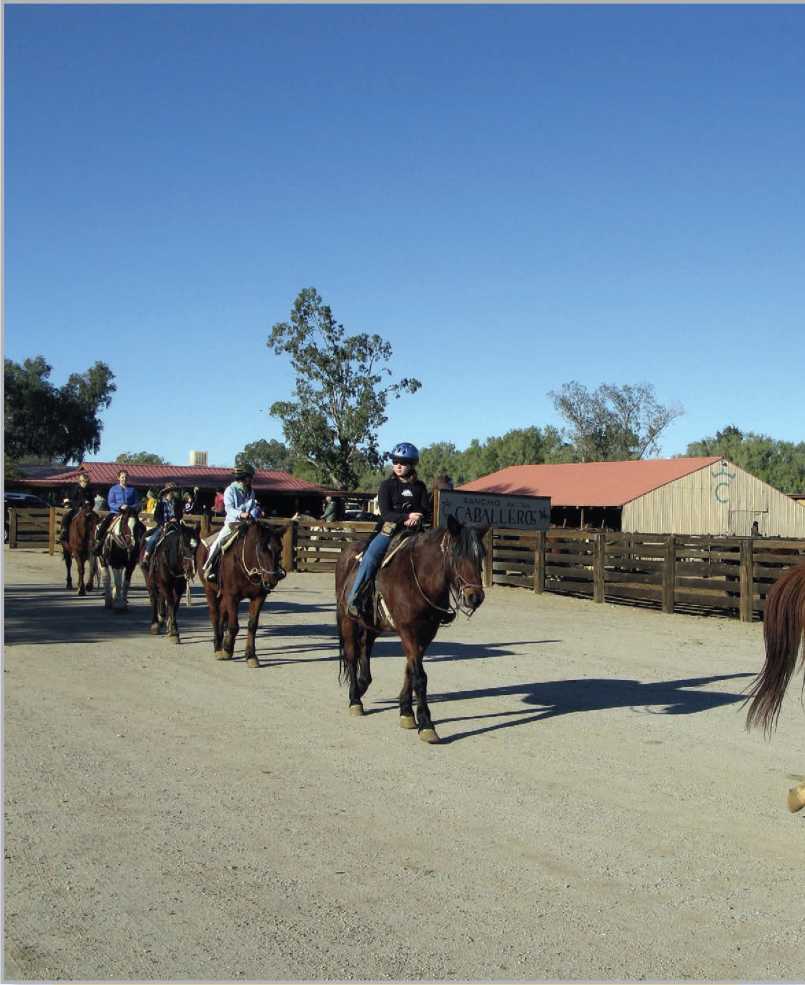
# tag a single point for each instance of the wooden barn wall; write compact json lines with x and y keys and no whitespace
{"x":719,"y":500}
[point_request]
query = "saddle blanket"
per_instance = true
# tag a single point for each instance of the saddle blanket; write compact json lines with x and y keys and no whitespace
{"x":226,"y":543}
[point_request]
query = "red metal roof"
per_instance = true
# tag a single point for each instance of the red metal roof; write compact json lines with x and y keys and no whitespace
{"x":589,"y":483}
{"x":145,"y":476}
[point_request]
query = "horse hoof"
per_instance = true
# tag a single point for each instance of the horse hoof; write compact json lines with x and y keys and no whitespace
{"x":222,"y":655}
{"x":107,"y":605}
{"x":81,"y":591}
{"x":796,"y":798}
{"x":252,"y":662}
{"x":407,"y":721}
{"x":356,"y":710}
{"x":429,"y":735}
{"x":153,"y":629}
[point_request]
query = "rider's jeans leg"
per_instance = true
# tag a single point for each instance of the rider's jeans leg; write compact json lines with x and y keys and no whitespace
{"x":370,"y":562}
{"x":151,"y":539}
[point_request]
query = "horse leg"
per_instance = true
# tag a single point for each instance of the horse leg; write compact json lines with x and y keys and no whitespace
{"x":255,"y":606}
{"x":153,"y":595}
{"x":173,"y":596}
{"x":214,"y":609}
{"x":230,"y":613}
{"x":79,"y":563}
{"x":364,"y":662}
{"x":107,"y":586}
{"x":796,"y":798}
{"x":68,"y":563}
{"x":415,"y":645}
{"x":349,"y":643}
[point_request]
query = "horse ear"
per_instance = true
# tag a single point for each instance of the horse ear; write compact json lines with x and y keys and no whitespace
{"x":453,"y":525}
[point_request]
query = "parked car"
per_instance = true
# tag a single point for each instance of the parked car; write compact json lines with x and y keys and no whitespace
{"x":20,"y":501}
{"x":360,"y":515}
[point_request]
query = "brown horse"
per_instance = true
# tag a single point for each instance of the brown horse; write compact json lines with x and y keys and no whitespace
{"x":78,"y":547}
{"x":249,"y":569}
{"x":425,"y":581}
{"x":783,"y":633}
{"x":168,"y":573}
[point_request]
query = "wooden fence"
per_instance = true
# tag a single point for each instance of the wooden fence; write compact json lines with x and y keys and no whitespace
{"x":674,"y":573}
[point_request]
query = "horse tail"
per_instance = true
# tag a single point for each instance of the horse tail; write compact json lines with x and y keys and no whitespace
{"x":783,"y":628}
{"x":342,"y":665}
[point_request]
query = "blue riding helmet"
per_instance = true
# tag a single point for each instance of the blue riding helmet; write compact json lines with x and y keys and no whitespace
{"x":405,"y":452}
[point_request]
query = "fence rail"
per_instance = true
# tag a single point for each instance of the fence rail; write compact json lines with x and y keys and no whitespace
{"x":672,"y":572}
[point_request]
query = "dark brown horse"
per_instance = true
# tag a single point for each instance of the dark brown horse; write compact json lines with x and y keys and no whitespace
{"x":78,"y":547}
{"x":425,"y":581}
{"x":167,"y":574}
{"x":784,"y":634}
{"x":118,"y":559}
{"x":250,"y":569}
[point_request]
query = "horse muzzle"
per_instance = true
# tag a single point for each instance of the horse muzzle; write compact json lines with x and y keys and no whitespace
{"x":472,"y":597}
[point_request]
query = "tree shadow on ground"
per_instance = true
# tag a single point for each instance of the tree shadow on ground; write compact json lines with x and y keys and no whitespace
{"x":554,"y":698}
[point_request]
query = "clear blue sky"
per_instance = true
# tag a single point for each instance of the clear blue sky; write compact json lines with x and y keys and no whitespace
{"x":513,"y":196}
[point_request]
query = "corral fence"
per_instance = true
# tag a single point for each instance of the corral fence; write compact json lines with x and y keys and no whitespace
{"x":670,"y":572}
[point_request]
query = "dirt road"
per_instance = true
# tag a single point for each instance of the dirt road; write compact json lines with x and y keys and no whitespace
{"x":595,"y":811}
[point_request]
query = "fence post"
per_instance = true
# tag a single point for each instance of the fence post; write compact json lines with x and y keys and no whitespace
{"x":52,"y":529}
{"x":599,"y":554}
{"x":669,"y":574}
{"x":747,"y":580}
{"x":489,"y":561}
{"x":539,"y":563}
{"x":204,"y":526}
{"x":12,"y":527}
{"x":288,"y":544}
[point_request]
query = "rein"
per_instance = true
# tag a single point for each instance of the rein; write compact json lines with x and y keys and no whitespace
{"x":262,"y":574}
{"x":456,"y":594}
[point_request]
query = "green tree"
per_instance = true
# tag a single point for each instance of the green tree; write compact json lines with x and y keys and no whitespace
{"x":140,"y":458}
{"x":55,"y":423}
{"x":436,"y":459}
{"x":780,"y":463}
{"x":340,"y":402}
{"x":613,"y":423}
{"x":264,"y":454}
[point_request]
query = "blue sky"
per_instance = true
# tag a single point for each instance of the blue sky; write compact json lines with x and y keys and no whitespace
{"x":513,"y":196}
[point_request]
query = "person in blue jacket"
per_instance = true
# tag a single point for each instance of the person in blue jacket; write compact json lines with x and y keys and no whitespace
{"x":122,"y":498}
{"x":240,"y":503}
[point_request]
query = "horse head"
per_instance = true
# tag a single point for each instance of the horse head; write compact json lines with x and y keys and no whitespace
{"x":264,"y":544}
{"x":464,"y":553}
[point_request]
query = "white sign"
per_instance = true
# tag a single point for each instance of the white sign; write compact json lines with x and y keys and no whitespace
{"x":495,"y":510}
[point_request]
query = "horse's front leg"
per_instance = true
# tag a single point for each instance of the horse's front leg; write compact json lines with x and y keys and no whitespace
{"x":255,"y":606}
{"x":415,"y":643}
{"x":349,"y":645}
{"x":107,"y":585}
{"x":173,"y":596}
{"x":153,"y":596}
{"x":79,"y":563}
{"x":68,"y":563}
{"x":229,"y":612}
{"x":214,"y":609}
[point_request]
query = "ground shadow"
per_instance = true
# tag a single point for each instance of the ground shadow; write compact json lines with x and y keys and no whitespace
{"x":554,"y":698}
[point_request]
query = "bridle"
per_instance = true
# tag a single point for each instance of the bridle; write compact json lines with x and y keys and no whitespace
{"x":260,"y":575}
{"x":457,"y":584}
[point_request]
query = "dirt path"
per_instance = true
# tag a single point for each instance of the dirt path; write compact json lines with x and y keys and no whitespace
{"x":596,"y":810}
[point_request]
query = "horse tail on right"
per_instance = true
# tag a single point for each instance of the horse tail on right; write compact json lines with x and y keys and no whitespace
{"x":783,"y":629}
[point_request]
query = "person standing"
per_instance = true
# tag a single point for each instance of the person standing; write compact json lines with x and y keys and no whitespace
{"x":240,"y":503}
{"x":218,"y":503}
{"x":404,"y":505}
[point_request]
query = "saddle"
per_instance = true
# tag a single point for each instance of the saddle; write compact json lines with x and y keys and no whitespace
{"x":371,"y":598}
{"x":227,"y":542}
{"x":121,"y":532}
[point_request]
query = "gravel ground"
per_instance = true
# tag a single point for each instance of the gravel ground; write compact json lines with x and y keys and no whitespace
{"x":595,"y":811}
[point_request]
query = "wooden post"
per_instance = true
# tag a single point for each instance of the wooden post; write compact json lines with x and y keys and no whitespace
{"x":539,"y":563}
{"x":288,"y":544}
{"x":435,"y":519}
{"x":489,"y":559}
{"x":12,"y":527}
{"x":599,"y":554}
{"x":669,"y":574}
{"x":52,"y":529}
{"x":747,"y":580}
{"x":204,"y":527}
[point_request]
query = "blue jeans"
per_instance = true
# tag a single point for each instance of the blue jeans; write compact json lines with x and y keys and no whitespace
{"x":370,"y":562}
{"x":152,"y":538}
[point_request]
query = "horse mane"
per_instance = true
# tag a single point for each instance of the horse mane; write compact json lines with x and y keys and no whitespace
{"x":466,"y":544}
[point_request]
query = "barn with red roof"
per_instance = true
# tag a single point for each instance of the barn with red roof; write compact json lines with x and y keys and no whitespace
{"x":706,"y":495}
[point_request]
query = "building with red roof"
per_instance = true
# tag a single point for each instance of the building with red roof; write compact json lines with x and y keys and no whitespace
{"x":278,"y":492}
{"x":706,"y":495}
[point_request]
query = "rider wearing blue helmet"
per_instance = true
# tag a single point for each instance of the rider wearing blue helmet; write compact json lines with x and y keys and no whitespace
{"x":404,"y":504}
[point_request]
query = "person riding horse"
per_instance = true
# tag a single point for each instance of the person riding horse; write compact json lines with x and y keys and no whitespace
{"x":81,"y":493}
{"x":404,"y":505}
{"x":122,"y":499}
{"x":240,"y":503}
{"x":167,"y":509}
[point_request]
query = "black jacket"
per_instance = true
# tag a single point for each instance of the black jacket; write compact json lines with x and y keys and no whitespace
{"x":162,"y":512}
{"x":79,"y":495}
{"x":398,"y":499}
